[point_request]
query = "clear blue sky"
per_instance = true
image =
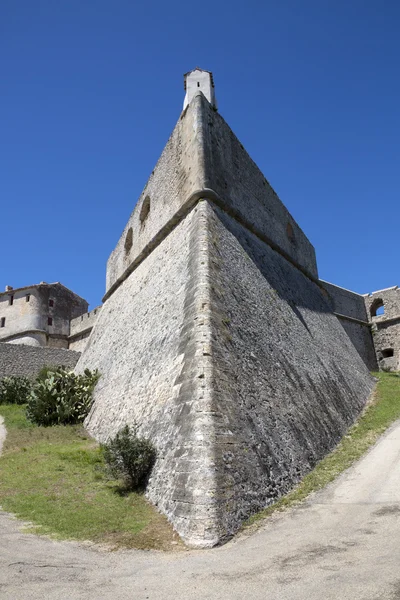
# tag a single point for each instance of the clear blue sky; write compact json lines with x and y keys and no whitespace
{"x":91,"y":90}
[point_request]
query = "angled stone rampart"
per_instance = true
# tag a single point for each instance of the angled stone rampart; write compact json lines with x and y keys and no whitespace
{"x":152,"y":345}
{"x":287,"y":381}
{"x":217,"y":338}
{"x":203,"y":158}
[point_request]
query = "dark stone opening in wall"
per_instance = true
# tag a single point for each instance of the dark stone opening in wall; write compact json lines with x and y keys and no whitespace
{"x":387,"y":353}
{"x":129,"y":240}
{"x":144,"y":212}
{"x":377,"y":308}
{"x":2,"y":322}
{"x":290,"y":232}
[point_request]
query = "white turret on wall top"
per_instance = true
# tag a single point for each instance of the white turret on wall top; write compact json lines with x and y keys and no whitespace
{"x":199,"y":81}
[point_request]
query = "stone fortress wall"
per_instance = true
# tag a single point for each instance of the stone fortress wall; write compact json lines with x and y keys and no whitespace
{"x":26,"y":360}
{"x":217,"y":337}
{"x":80,"y":329}
{"x":351,"y":311}
{"x":383,"y":310}
{"x":193,"y":166}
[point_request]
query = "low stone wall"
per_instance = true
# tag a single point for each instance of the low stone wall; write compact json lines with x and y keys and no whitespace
{"x":18,"y":359}
{"x":350,"y":309}
{"x":345,"y":302}
{"x":83,"y":323}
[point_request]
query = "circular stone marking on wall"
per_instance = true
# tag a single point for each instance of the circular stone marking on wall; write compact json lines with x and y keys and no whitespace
{"x":128,"y":240}
{"x":144,"y":212}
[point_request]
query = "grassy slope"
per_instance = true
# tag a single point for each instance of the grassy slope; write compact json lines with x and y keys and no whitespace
{"x":53,"y":477}
{"x":380,"y":413}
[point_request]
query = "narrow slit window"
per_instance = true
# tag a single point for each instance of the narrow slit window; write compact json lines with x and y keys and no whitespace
{"x":49,"y":321}
{"x":11,"y":300}
{"x":27,"y":298}
{"x":51,"y":302}
{"x":3,"y":322}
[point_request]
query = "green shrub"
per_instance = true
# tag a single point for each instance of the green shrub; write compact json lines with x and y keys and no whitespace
{"x":61,"y":397}
{"x":14,"y":390}
{"x":46,"y":369}
{"x":130,"y":457}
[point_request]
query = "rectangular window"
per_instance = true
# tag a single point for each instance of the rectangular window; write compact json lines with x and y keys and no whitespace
{"x":51,"y":302}
{"x":2,"y":322}
{"x":11,"y":300}
{"x":27,"y":297}
{"x":49,"y":321}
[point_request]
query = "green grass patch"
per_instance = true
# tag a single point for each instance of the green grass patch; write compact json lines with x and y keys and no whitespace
{"x":379,"y":414}
{"x":54,"y":478}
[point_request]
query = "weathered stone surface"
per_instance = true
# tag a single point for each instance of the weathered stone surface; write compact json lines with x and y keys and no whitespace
{"x":245,"y":192}
{"x":178,"y":174}
{"x":39,"y":315}
{"x":80,"y":329}
{"x":385,"y":327}
{"x":346,"y":302}
{"x":216,"y":337}
{"x":351,"y":311}
{"x":233,"y":363}
{"x":286,"y":380}
{"x":19,"y":359}
{"x":362,"y":340}
{"x":204,"y":154}
{"x":151,"y":345}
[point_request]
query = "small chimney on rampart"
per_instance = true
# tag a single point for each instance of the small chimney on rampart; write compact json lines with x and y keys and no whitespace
{"x":9,"y":288}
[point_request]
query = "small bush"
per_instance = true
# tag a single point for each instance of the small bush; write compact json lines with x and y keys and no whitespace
{"x":14,"y":390}
{"x":130,"y":457}
{"x":60,"y":397}
{"x":46,"y":369}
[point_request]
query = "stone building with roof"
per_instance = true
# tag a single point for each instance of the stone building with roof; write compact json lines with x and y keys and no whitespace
{"x":39,"y":315}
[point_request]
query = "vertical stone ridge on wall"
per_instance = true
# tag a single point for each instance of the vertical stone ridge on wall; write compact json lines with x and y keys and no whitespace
{"x":152,"y":345}
{"x":189,"y":499}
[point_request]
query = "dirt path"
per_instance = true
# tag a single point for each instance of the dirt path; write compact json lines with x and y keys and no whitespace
{"x":344,"y":543}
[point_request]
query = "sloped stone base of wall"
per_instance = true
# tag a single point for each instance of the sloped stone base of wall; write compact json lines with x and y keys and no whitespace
{"x":232,"y":362}
{"x":287,"y":382}
{"x":18,"y":359}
